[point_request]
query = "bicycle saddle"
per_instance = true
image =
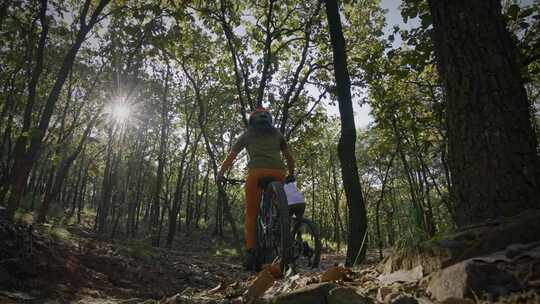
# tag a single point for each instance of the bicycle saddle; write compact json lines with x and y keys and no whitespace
{"x":265,"y":181}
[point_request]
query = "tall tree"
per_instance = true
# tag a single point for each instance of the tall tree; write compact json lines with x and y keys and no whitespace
{"x":27,"y":146}
{"x":164,"y":131}
{"x":492,"y":145}
{"x":347,"y":140}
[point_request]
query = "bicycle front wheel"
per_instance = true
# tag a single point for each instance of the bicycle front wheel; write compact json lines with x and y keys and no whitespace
{"x":306,"y":243}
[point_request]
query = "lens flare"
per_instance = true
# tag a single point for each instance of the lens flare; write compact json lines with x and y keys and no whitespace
{"x":120,"y":112}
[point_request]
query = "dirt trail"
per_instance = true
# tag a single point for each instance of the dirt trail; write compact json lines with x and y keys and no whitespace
{"x":55,"y":265}
{"x":71,"y":265}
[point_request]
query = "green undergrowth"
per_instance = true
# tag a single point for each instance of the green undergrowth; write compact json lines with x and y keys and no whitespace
{"x":226,"y":252}
{"x":327,"y":245}
{"x":24,"y":216}
{"x":60,"y":233}
{"x":139,"y":249}
{"x":223,"y":247}
{"x":54,"y":228}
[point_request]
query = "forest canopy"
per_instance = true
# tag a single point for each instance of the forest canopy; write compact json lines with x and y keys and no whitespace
{"x":117,"y":114}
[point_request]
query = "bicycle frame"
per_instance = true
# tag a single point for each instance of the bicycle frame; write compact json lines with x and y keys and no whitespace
{"x":265,"y":217}
{"x":270,"y":229}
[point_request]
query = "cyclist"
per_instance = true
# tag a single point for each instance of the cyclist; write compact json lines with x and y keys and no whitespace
{"x":264,"y":144}
{"x":295,"y":199}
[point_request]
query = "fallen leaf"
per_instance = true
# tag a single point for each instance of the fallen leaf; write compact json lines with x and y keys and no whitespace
{"x":221,"y":286}
{"x":262,"y":283}
{"x":334,"y":274}
{"x":274,"y":270}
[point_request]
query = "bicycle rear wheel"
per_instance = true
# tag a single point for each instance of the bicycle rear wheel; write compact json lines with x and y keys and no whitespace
{"x":306,"y":243}
{"x":275,"y":242}
{"x":263,"y":238}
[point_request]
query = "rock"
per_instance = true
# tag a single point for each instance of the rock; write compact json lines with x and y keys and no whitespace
{"x":429,"y":258}
{"x":469,"y":278}
{"x":495,"y":236}
{"x":404,"y":299}
{"x":424,"y":300}
{"x":345,"y":295}
{"x":469,"y":242}
{"x":514,"y":250}
{"x":409,"y":276}
{"x":323,"y":293}
{"x":311,"y":294}
{"x":19,"y":297}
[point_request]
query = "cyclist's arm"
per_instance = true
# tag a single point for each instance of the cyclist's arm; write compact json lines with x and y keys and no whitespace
{"x":236,"y":148}
{"x":227,"y":163}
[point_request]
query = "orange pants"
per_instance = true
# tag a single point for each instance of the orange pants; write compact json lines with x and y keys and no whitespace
{"x":253,"y":199}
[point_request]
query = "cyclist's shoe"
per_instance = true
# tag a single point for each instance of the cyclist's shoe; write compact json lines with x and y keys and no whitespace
{"x":249,"y":260}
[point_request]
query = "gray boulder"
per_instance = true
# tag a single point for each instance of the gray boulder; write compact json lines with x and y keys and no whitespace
{"x":324,"y":293}
{"x":469,"y":278}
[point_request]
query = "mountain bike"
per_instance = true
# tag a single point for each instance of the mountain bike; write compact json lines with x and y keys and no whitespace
{"x":306,"y":243}
{"x":299,"y":246}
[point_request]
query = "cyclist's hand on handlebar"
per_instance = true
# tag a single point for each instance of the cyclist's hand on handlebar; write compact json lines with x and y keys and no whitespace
{"x":290,"y":179}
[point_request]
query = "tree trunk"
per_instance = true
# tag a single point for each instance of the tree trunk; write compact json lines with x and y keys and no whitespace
{"x":378,"y":206}
{"x":25,"y":157}
{"x":222,"y":196}
{"x":336,"y":199}
{"x":165,"y":121}
{"x":205,"y":192}
{"x":61,"y":173}
{"x":74,"y":201}
{"x":106,"y":187}
{"x":189,"y":200}
{"x":81,"y":203}
{"x":347,"y":140}
{"x":493,"y":155}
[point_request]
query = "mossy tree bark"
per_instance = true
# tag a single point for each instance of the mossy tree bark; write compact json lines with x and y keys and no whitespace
{"x":492,"y":146}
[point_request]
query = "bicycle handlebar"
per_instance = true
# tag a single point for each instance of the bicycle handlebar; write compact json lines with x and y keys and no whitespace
{"x":233,"y":181}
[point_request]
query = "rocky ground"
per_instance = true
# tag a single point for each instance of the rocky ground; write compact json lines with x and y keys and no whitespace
{"x":45,"y":264}
{"x":70,"y":265}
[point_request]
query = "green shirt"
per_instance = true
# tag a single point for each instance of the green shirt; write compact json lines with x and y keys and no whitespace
{"x":264,"y":151}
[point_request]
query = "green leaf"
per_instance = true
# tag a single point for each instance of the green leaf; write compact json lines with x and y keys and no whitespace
{"x":526,"y":12}
{"x":426,"y":20}
{"x":513,"y":11}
